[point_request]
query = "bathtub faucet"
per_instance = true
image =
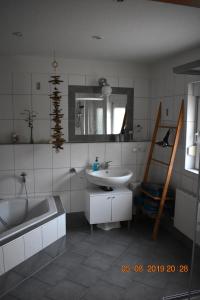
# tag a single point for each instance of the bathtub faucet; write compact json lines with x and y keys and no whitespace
{"x":23,"y":176}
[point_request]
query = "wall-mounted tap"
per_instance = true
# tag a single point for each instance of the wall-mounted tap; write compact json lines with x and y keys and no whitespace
{"x":73,"y":170}
{"x":106,"y":164}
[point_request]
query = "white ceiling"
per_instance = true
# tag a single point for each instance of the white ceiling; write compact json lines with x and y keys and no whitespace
{"x":139,"y":30}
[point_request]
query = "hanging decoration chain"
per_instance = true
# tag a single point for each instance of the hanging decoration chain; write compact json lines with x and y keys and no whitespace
{"x":57,"y":115}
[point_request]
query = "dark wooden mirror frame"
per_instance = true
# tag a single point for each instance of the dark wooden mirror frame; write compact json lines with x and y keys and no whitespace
{"x":73,"y":89}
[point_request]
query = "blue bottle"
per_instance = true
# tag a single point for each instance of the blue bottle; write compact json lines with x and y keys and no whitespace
{"x":96,"y":165}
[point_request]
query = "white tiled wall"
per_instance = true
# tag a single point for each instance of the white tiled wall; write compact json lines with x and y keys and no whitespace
{"x":25,"y":85}
{"x":49,"y":172}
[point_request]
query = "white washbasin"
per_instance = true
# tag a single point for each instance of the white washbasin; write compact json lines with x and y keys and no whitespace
{"x":109,"y":177}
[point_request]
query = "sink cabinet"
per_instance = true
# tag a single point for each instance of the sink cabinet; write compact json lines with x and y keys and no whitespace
{"x":105,"y":207}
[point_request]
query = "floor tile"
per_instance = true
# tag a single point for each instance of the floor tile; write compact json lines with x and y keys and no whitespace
{"x":111,"y":248}
{"x":57,"y":247}
{"x":51,"y":274}
{"x":123,"y":236}
{"x":157,"y":279}
{"x":98,"y":236}
{"x":9,"y":280}
{"x":31,"y":289}
{"x":105,"y":291}
{"x":66,"y":290}
{"x":128,"y":258}
{"x":143,"y":292}
{"x":8,"y":297}
{"x":76,"y":236}
{"x":69,"y":259}
{"x":83,"y":248}
{"x":116,"y":277}
{"x":99,"y":260}
{"x":84,"y":275}
{"x":33,"y":264}
{"x":120,"y":236}
{"x":173,"y":288}
{"x":141,"y":250}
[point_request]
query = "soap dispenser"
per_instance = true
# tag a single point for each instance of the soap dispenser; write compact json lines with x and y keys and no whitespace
{"x":96,"y":165}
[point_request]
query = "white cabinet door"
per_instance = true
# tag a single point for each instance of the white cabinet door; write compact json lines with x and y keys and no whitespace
{"x":13,"y":253}
{"x":121,"y":207}
{"x":49,"y":232}
{"x":100,"y":209}
{"x":61,"y":226}
{"x":33,"y":242}
{"x":1,"y":262}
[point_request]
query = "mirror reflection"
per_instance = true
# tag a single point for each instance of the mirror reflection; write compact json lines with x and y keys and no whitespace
{"x":100,"y":113}
{"x":96,"y":114}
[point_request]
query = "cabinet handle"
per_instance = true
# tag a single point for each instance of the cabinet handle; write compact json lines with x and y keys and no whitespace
{"x":108,"y":197}
{"x":113,"y":197}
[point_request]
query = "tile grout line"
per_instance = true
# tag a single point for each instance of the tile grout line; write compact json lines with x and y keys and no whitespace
{"x":30,"y":276}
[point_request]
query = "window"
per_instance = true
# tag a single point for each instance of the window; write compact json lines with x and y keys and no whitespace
{"x":99,"y":120}
{"x":118,"y":117}
{"x":197,"y":130}
{"x":193,"y":128}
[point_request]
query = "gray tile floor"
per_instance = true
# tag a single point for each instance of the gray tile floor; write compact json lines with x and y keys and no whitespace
{"x":90,"y":268}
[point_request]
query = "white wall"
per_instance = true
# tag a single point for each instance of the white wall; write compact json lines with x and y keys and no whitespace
{"x":170,"y":89}
{"x":48,"y":172}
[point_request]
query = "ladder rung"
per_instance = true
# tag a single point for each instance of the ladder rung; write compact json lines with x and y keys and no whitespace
{"x":160,"y":162}
{"x":166,"y":126}
{"x":154,"y":197}
{"x":150,"y":195}
{"x":156,"y":143}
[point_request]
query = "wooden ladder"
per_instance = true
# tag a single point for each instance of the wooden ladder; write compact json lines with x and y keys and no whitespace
{"x":169,"y":165}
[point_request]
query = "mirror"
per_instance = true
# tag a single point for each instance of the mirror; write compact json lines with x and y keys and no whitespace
{"x":96,"y":117}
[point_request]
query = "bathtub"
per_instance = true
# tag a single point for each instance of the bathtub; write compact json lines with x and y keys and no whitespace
{"x":27,"y":230}
{"x":18,"y":217}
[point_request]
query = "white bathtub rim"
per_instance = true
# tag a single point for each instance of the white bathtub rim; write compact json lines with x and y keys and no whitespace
{"x":15,"y":230}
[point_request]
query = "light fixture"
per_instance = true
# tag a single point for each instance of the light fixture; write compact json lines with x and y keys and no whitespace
{"x":89,"y":99}
{"x":105,"y":87}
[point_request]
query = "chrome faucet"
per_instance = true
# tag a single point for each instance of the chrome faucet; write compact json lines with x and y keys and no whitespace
{"x":106,"y":164}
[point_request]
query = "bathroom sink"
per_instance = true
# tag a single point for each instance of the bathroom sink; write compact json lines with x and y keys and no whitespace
{"x":109,"y":177}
